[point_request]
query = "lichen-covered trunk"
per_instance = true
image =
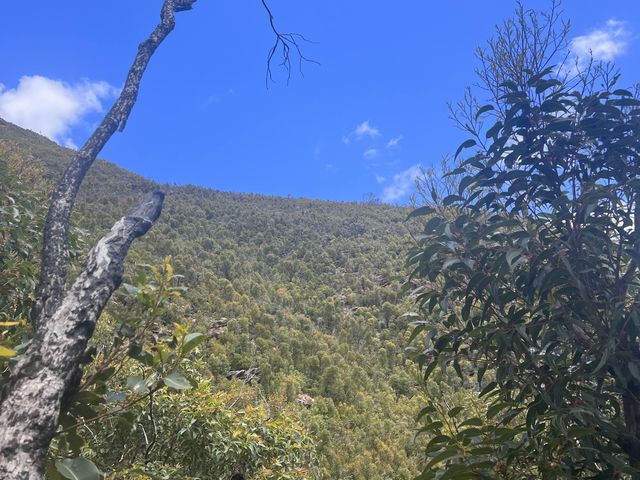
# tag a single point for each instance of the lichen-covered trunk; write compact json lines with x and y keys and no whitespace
{"x":31,"y":401}
{"x":53,"y":275}
{"x":63,"y":321}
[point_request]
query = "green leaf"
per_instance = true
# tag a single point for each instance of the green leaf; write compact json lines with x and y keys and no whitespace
{"x":454,"y":411}
{"x":458,"y":369}
{"x":418,"y":212}
{"x":75,"y":441}
{"x":512,"y":255}
{"x":448,"y":453}
{"x":451,"y":199}
{"x":425,"y":411}
{"x":464,"y":183}
{"x":131,"y":289}
{"x":467,"y":144}
{"x":137,"y":385}
{"x":52,"y":472}
{"x":635,"y":371}
{"x":450,"y":262}
{"x":493,"y":410}
{"x":484,"y":109}
{"x":78,"y":469}
{"x":177,"y":381}
{"x":552,"y":106}
{"x":475,"y":421}
{"x":86,"y":396}
{"x":488,"y":388}
{"x":191,"y":341}
{"x":494,"y":129}
{"x":416,"y":331}
{"x":543,"y":85}
{"x":508,"y":84}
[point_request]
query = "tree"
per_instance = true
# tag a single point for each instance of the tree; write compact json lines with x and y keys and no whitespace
{"x":64,"y":319}
{"x":527,"y":274}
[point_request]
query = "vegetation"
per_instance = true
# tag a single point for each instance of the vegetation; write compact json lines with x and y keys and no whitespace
{"x":264,"y":338}
{"x":526,"y":273}
{"x":310,"y":293}
{"x":64,"y":317}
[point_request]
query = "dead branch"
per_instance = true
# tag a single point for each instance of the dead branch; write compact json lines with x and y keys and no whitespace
{"x":288,"y":44}
{"x":56,"y":230}
{"x":31,"y":400}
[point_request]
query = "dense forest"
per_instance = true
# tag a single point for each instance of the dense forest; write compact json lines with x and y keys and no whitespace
{"x":305,"y":291}
{"x":490,"y":331}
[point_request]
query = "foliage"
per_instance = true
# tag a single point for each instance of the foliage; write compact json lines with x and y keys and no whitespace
{"x":18,"y":237}
{"x":528,"y":275}
{"x":140,"y":347}
{"x":200,"y":435}
{"x":304,"y":290}
{"x":21,"y":218}
{"x":139,"y":357}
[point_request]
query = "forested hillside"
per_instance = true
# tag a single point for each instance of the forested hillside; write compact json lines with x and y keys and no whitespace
{"x":492,"y":332}
{"x":305,"y":291}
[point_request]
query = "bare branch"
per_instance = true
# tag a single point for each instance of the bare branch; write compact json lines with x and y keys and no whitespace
{"x":54,"y":253}
{"x":48,"y":371}
{"x":288,"y":44}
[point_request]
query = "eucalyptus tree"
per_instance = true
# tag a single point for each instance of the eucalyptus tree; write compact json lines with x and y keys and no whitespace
{"x":526,"y":273}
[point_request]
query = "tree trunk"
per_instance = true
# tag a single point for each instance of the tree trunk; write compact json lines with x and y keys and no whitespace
{"x":30,"y":402}
{"x":56,"y":229}
{"x":63,"y":322}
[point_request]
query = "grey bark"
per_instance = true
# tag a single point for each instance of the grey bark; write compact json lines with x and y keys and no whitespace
{"x":30,"y":402}
{"x":64,"y":321}
{"x":54,"y":253}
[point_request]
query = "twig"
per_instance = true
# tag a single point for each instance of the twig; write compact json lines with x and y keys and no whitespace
{"x":287,"y":43}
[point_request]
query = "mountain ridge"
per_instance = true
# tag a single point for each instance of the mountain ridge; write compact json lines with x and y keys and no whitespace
{"x":42,"y":147}
{"x":310,"y":289}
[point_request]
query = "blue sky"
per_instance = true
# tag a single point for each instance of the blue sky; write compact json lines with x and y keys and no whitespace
{"x":361,"y":122}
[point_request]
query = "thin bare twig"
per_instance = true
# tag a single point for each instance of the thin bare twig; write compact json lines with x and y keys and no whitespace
{"x":288,"y":44}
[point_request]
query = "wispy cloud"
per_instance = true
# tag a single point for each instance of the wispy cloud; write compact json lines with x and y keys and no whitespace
{"x":365,"y":129}
{"x":401,"y":184}
{"x":380,"y":179}
{"x":392,"y":143}
{"x":217,"y":97}
{"x":370,"y":153}
{"x":603,"y":44}
{"x":52,"y":107}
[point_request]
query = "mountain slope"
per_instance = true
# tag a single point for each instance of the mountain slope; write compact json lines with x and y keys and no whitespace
{"x":309,"y":289}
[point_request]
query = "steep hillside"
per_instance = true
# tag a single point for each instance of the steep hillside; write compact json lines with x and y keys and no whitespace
{"x":304,"y":290}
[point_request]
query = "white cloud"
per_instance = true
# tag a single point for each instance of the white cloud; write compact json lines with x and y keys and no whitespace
{"x":52,"y":107}
{"x":69,"y":143}
{"x":380,"y":179}
{"x":366,"y":130}
{"x":401,"y":184}
{"x":604,"y":44}
{"x":370,"y":153}
{"x":394,"y":142}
